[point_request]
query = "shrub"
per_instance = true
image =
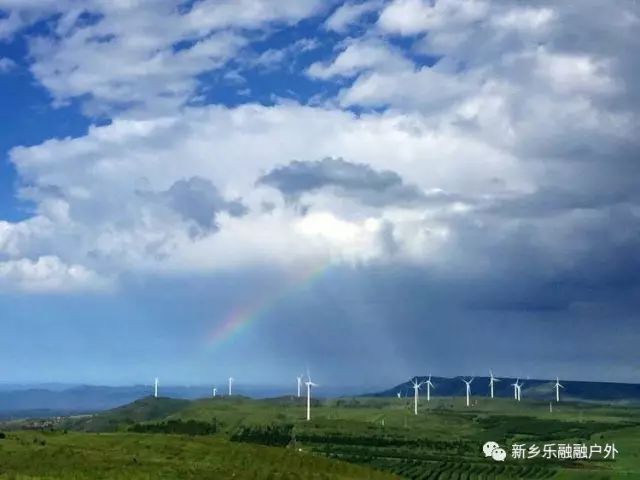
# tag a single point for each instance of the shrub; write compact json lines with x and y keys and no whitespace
{"x":190,"y":427}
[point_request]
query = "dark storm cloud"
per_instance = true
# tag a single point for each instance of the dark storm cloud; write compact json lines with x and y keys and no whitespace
{"x":197,"y":199}
{"x":384,"y":319}
{"x":543,"y":263}
{"x":371,"y":187}
{"x":549,"y":201}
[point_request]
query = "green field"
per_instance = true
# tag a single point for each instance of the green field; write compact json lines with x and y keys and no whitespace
{"x":347,"y":438}
{"x":45,"y":455}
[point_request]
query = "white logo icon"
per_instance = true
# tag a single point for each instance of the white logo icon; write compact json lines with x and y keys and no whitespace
{"x":489,"y":447}
{"x":493,"y":450}
{"x":499,"y":454}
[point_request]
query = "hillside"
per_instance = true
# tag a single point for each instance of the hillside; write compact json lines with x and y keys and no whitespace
{"x":84,"y":456}
{"x":444,"y":440}
{"x":145,"y":409}
{"x":533,"y":388}
{"x":21,"y":401}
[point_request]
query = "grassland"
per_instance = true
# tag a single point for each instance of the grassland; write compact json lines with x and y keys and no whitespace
{"x":128,"y":456}
{"x":270,"y":439}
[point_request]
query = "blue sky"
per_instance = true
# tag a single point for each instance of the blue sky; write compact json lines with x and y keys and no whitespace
{"x":373,"y":188}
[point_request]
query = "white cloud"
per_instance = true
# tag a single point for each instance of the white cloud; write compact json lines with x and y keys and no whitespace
{"x":47,"y":274}
{"x":141,"y":54}
{"x":508,"y":106}
{"x":91,"y":211}
{"x":150,"y":76}
{"x":273,"y":58}
{"x":350,"y":239}
{"x":525,"y":19}
{"x":350,"y":13}
{"x":497,"y":68}
{"x":578,"y":73}
{"x":20,"y":13}
{"x":411,"y":17}
{"x":210,"y":14}
{"x":6,"y":64}
{"x":362,"y":55}
{"x":427,"y":88}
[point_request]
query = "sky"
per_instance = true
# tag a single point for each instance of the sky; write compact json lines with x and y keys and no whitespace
{"x":370,"y":190}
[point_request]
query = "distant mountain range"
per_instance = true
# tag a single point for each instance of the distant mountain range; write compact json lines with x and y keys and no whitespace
{"x":532,"y":389}
{"x":19,"y":401}
{"x":59,"y":400}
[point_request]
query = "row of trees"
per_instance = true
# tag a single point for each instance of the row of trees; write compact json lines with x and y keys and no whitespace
{"x":189,"y":427}
{"x":275,"y":434}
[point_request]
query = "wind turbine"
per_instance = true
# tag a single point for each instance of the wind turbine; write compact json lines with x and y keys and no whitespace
{"x":155,"y":388}
{"x":558,"y":387}
{"x":416,"y":387}
{"x":515,"y":389}
{"x":230,"y":383}
{"x":492,"y":380}
{"x":215,"y":390}
{"x":468,"y":384}
{"x":429,"y":387}
{"x":309,"y":384}
{"x":299,"y":378}
{"x":399,"y":394}
{"x":520,"y":391}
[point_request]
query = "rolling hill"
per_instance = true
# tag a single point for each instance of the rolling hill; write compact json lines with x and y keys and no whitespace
{"x":444,"y":440}
{"x":533,"y":389}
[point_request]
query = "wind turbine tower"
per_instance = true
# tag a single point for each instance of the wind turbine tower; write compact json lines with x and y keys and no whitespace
{"x":230,"y":384}
{"x":309,"y":384}
{"x":215,"y":391}
{"x":492,"y":380}
{"x":558,"y":387}
{"x":520,"y":391}
{"x":155,"y":388}
{"x":468,"y":385}
{"x":515,"y":389}
{"x":416,"y":387}
{"x":429,"y":387}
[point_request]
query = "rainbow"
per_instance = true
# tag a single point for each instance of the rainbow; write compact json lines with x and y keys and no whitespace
{"x":241,"y":318}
